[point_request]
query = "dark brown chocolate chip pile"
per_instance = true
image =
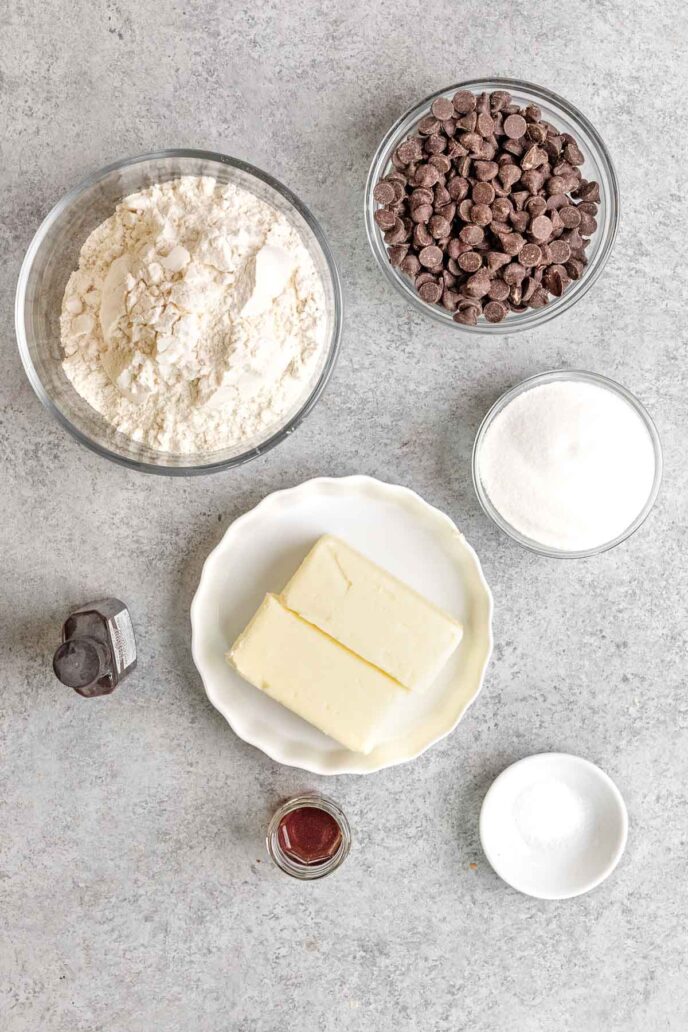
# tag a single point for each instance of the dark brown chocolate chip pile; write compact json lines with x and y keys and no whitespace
{"x":486,"y":208}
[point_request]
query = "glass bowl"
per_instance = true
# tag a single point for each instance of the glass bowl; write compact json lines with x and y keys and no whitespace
{"x":598,"y":165}
{"x":54,"y":254}
{"x":558,"y":375}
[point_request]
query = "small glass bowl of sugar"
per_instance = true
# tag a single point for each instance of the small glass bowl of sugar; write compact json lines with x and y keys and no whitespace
{"x":568,"y":463}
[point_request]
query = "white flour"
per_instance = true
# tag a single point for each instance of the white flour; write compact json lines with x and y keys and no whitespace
{"x":196,"y":318}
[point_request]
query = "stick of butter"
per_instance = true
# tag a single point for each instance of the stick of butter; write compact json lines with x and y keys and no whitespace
{"x":312,"y":675}
{"x":378,"y":617}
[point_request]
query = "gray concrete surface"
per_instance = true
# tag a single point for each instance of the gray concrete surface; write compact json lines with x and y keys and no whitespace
{"x":135,"y":895}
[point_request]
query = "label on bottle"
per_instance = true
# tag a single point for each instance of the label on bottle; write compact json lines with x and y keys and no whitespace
{"x":123,"y":641}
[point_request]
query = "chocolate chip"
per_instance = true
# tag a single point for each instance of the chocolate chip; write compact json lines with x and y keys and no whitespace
{"x":430,"y":292}
{"x":588,"y":224}
{"x":428,"y":125}
{"x":513,"y":273}
{"x":541,"y":227}
{"x":435,"y":144}
{"x":499,"y":99}
{"x":514,"y":147}
{"x":470,"y":261}
{"x":557,"y":201}
{"x":385,"y":219}
{"x":536,"y":133}
{"x":467,"y":316}
{"x":441,"y":227}
{"x":590,"y":192}
{"x":512,"y":243}
{"x":465,"y":209}
{"x":499,"y":290}
{"x":560,"y":251}
{"x":481,"y":214}
{"x":430,"y":256}
{"x":397,"y":253}
{"x":464,"y":101}
{"x":472,"y":235}
{"x":538,"y":298}
{"x":532,"y":179}
{"x":485,"y":170}
{"x":554,"y":185}
{"x":421,"y":195}
{"x":422,"y":236}
{"x":473,"y":142}
{"x":424,"y":277}
{"x":536,"y":206}
{"x":515,"y":126}
{"x":575,"y":268}
{"x":494,"y":311}
{"x":528,"y":285}
{"x":421,"y":212}
{"x":497,"y":260}
{"x":442,"y":108}
{"x":519,"y":198}
{"x":533,"y":113}
{"x":447,"y":211}
{"x":509,"y":174}
{"x":530,"y":254}
{"x":555,"y":279}
{"x":501,"y":209}
{"x":533,"y":158}
{"x":410,"y":265}
{"x":427,"y":175}
{"x":397,"y":233}
{"x":573,"y":153}
{"x":441,"y":163}
{"x":478,"y":284}
{"x":485,"y":125}
{"x":483,"y":193}
{"x":458,"y":188}
{"x":384,"y":193}
{"x":519,"y":220}
{"x":450,"y":299}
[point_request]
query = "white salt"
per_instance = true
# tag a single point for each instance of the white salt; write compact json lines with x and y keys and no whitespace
{"x":569,"y":464}
{"x":551,"y":815}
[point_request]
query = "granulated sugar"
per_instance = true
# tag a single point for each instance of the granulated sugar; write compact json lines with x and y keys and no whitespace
{"x":569,"y":464}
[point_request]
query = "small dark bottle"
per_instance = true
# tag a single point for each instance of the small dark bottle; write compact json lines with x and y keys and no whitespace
{"x":98,"y":648}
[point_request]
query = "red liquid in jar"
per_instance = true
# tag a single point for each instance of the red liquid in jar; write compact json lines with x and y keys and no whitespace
{"x":309,"y":835}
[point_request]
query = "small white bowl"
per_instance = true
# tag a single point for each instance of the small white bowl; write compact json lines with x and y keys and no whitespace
{"x":553,"y":825}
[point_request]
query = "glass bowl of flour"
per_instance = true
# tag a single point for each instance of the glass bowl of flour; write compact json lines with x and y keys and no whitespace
{"x":179,"y":312}
{"x":567,"y":463}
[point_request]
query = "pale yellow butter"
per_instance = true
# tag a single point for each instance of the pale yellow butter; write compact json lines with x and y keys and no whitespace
{"x":310,"y":674}
{"x":378,"y":617}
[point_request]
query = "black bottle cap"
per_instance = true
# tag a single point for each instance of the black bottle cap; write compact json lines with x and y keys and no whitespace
{"x":80,"y":662}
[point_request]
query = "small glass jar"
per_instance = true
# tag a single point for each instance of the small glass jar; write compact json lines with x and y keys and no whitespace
{"x":323,"y":863}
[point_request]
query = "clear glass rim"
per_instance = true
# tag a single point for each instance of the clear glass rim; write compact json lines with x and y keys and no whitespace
{"x":192,"y":468}
{"x":516,"y":321}
{"x":302,"y":871}
{"x":551,"y":376}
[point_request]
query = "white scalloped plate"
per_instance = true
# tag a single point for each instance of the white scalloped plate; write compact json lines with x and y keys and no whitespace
{"x":395,"y":528}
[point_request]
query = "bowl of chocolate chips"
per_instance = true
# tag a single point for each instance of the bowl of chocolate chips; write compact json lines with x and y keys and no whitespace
{"x":492,"y":205}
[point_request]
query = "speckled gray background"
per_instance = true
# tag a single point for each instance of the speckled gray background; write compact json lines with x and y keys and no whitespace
{"x":134,"y":891}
